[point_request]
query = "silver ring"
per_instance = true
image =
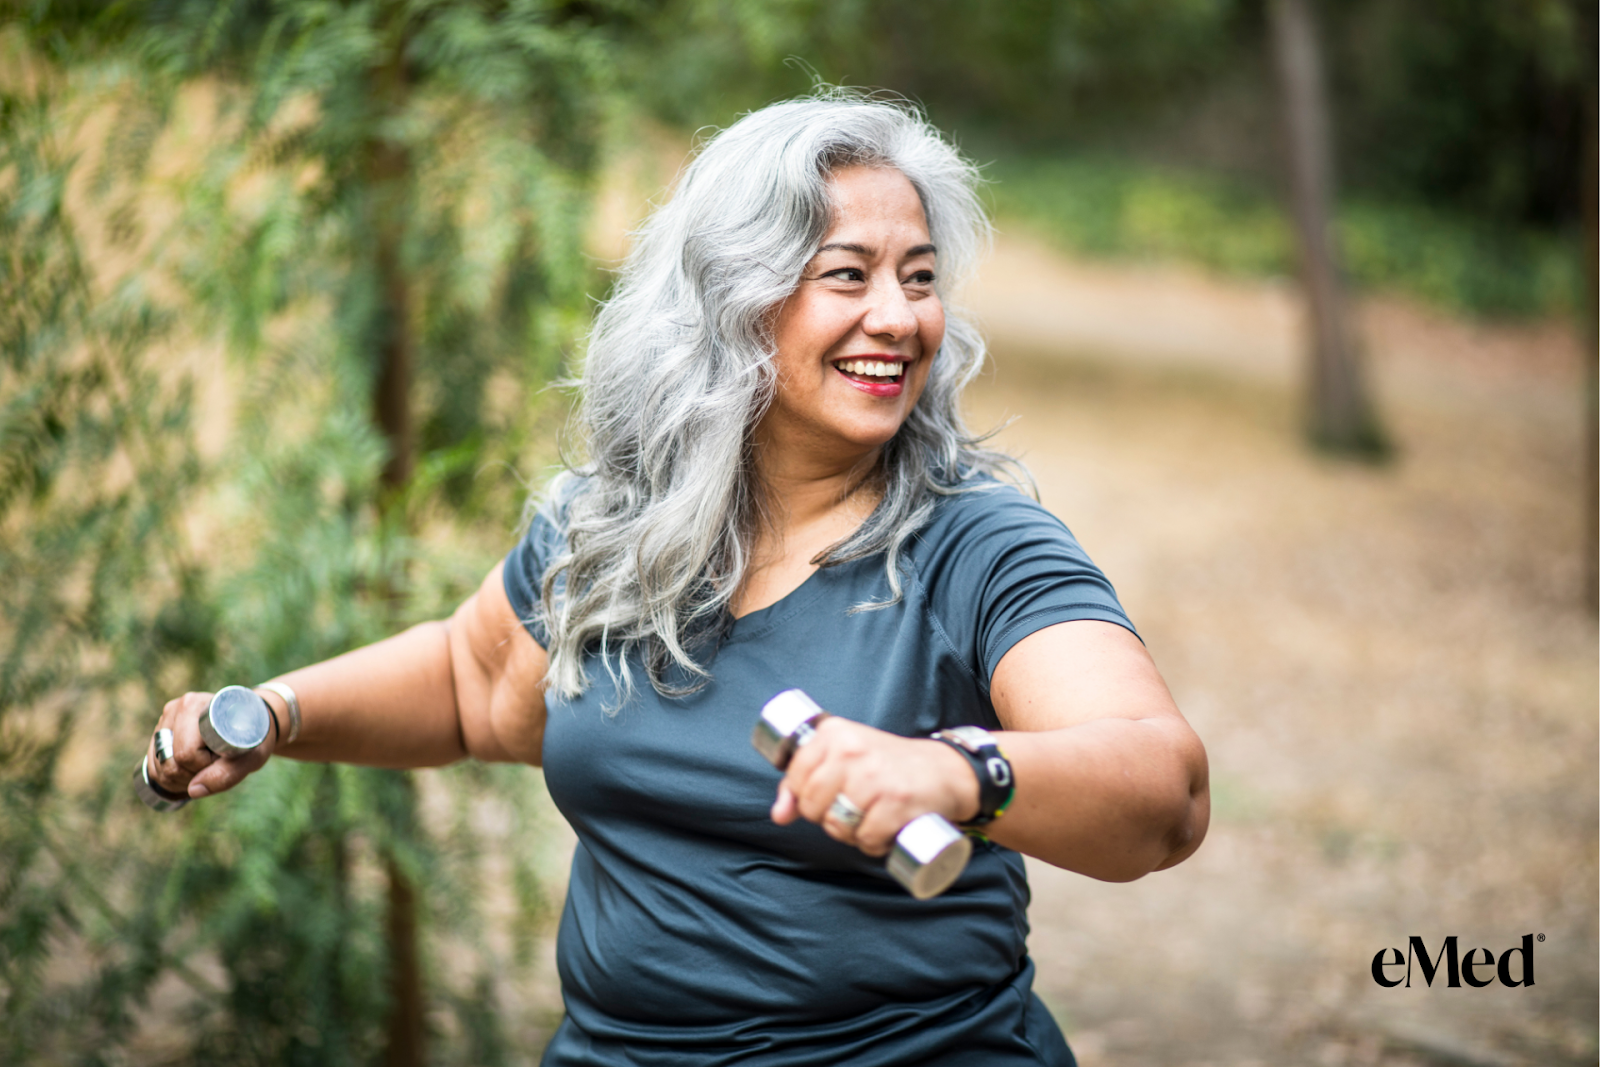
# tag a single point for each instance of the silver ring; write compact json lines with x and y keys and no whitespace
{"x":163,"y":745}
{"x":845,"y":811}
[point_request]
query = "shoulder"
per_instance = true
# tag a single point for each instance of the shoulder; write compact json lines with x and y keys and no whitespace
{"x":549,"y":515}
{"x":543,"y":543}
{"x":985,"y":515}
{"x":996,"y":565}
{"x":990,"y":539}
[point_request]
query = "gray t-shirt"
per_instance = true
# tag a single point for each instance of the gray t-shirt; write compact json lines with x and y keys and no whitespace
{"x":698,"y":931}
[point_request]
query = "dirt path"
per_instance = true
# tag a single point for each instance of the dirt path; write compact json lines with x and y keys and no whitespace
{"x":1391,"y":668}
{"x":1031,"y":298}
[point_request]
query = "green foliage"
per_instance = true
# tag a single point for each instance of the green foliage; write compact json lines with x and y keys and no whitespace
{"x":1473,"y":109}
{"x":297,"y":185}
{"x":1102,"y":206}
{"x":1478,"y":107}
{"x":85,"y":504}
{"x":1020,"y":68}
{"x":1110,"y":208}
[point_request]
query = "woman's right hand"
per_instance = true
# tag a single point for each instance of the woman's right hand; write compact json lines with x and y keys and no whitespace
{"x":891,"y":779}
{"x":194,"y":770}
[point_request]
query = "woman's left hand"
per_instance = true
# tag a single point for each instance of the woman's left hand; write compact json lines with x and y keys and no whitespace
{"x":891,"y":779}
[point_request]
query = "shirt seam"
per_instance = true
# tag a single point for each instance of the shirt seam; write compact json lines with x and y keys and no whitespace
{"x":534,"y":619}
{"x":938,"y":625}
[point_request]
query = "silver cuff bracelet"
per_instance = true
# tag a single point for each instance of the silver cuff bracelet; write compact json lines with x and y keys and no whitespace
{"x":293,"y":703}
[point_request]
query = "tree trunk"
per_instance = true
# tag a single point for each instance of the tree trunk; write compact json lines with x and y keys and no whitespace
{"x":389,"y":168}
{"x":1341,"y":417}
{"x":1589,"y":307}
{"x":388,"y":174}
{"x":407,"y":1037}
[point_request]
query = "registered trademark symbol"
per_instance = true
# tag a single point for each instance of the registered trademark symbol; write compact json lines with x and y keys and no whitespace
{"x":1541,"y":937}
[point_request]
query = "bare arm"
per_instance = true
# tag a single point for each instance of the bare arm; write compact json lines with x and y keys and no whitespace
{"x":471,"y":685}
{"x":1111,"y":781}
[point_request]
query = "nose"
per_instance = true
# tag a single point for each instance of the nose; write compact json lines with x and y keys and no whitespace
{"x":889,"y":314}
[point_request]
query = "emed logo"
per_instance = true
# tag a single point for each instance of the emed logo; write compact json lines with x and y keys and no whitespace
{"x":1457,"y":967}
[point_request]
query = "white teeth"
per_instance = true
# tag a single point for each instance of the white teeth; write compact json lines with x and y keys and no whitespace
{"x":870,"y":368}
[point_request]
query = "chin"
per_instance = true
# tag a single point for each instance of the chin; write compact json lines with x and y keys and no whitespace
{"x":867,"y":438}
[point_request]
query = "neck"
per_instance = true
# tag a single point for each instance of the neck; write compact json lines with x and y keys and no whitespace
{"x":809,"y":503}
{"x":801,"y":490}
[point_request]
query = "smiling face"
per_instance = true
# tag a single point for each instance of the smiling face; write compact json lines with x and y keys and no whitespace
{"x":857,"y":337}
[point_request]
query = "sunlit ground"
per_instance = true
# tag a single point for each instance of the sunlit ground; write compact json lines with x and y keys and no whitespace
{"x":1395,"y":677}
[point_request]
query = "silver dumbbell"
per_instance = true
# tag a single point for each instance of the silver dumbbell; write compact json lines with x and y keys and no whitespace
{"x":929,"y":853}
{"x":236,"y":722}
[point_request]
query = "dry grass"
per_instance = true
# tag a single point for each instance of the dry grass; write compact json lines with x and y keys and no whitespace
{"x":1395,"y":677}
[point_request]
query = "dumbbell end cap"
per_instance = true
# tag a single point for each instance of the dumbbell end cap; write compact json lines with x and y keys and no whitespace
{"x":777,"y":730}
{"x":153,"y":795}
{"x":929,"y":854}
{"x":236,"y":721}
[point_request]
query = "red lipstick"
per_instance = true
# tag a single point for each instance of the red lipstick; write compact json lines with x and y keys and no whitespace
{"x":874,"y":384}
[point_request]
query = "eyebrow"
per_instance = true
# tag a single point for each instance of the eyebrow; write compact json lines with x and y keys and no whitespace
{"x":863,"y":250}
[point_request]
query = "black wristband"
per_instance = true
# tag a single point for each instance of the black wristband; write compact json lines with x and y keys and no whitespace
{"x":996,"y":784}
{"x":277,"y":734}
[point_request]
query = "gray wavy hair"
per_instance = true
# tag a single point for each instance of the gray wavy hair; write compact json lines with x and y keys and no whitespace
{"x":660,"y":518}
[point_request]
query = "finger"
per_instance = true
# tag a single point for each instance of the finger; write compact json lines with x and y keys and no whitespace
{"x":837,"y":828}
{"x":819,"y":744}
{"x":224,"y":774}
{"x":818,"y":771}
{"x":803,"y":766}
{"x":170,"y":713}
{"x":188,"y":748}
{"x":784,"y":809}
{"x":808,"y":755}
{"x":877,"y":831}
{"x":163,"y":773}
{"x":167,"y":773}
{"x":815,"y":795}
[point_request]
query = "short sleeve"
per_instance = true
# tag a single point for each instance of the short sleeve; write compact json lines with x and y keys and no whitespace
{"x":998,"y":567}
{"x":524,"y":573}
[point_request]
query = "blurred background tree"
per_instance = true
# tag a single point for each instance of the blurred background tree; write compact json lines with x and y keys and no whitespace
{"x":281,"y":282}
{"x":1341,"y":417}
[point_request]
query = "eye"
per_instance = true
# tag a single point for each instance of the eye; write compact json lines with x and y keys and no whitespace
{"x":847,"y":274}
{"x":921,"y":277}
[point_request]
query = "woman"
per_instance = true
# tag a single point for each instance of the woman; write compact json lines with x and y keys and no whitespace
{"x":779,"y":493}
